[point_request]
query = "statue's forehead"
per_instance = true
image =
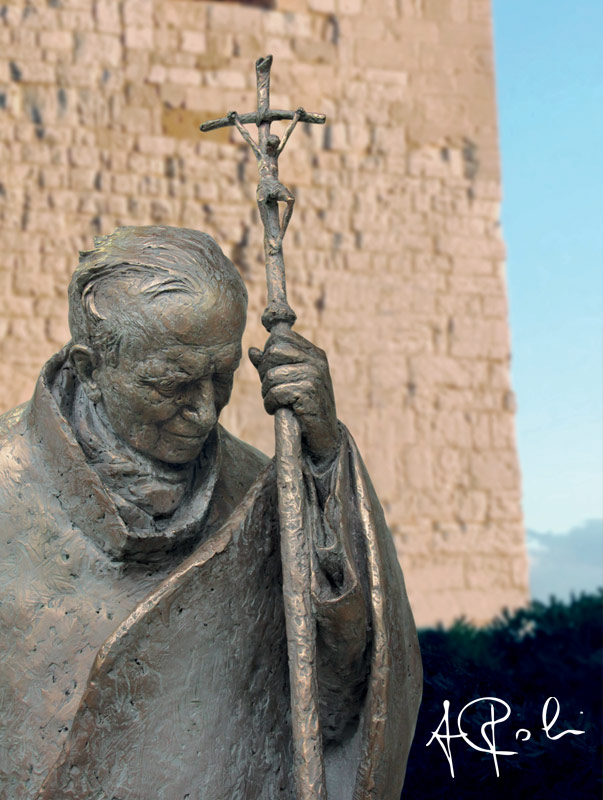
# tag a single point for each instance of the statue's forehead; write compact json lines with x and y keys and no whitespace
{"x":170,"y":329}
{"x":189,"y":360}
{"x":195,"y":318}
{"x":190,"y":316}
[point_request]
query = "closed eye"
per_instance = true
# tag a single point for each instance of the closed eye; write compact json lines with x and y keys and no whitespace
{"x":166,"y":388}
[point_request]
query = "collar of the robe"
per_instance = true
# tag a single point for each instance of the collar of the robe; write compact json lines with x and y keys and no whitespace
{"x":83,"y":496}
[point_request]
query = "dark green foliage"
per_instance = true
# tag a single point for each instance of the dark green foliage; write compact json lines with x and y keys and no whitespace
{"x":543,"y":651}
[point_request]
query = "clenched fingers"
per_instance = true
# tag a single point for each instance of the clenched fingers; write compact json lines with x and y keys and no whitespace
{"x":289,"y":373}
{"x":300,"y":396}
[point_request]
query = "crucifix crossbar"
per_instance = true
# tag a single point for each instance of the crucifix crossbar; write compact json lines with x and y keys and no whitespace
{"x":271,"y":115}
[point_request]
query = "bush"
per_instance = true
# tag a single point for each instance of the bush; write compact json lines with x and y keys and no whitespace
{"x":542,"y":651}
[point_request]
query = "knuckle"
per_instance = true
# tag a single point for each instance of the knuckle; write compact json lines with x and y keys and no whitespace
{"x":312,"y":376}
{"x":269,"y":402}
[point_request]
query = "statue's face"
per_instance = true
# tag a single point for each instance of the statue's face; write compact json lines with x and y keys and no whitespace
{"x":272,"y":143}
{"x":173,"y":379}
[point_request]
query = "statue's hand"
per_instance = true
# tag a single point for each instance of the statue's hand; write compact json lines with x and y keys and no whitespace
{"x":295,"y":374}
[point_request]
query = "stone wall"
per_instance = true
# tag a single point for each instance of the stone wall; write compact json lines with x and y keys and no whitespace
{"x":395,"y":257}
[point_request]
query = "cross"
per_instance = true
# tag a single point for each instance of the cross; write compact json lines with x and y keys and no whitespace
{"x":300,"y":622}
{"x":270,"y":191}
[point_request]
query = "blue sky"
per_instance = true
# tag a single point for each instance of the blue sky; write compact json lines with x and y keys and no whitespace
{"x":549,"y":67}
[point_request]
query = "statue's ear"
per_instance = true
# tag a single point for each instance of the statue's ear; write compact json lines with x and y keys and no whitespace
{"x":84,"y":362}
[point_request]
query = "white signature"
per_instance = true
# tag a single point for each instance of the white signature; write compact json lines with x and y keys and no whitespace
{"x":522,"y":734}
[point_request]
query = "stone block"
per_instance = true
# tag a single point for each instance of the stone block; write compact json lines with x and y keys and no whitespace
{"x":505,"y":505}
{"x":451,"y":466}
{"x":480,"y":338}
{"x":503,"y":431}
{"x":293,"y":6}
{"x":184,"y":77}
{"x":139,"y":38}
{"x":37,"y":72}
{"x":58,"y":330}
{"x":278,"y":24}
{"x":97,"y":49}
{"x":488,"y":572}
{"x":468,"y":265}
{"x":452,"y":428}
{"x":439,"y":574}
{"x":107,"y":16}
{"x":350,"y":7}
{"x":480,"y":11}
{"x":472,"y":505}
{"x":194,"y":41}
{"x":419,"y":467}
{"x":495,"y":470}
{"x":232,"y":17}
{"x":390,"y":55}
{"x":323,"y":6}
{"x":496,"y":306}
{"x":56,"y":40}
{"x":480,"y":430}
{"x":82,"y":178}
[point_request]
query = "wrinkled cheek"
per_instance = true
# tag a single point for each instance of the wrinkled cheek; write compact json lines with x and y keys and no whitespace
{"x":139,"y":425}
{"x":150,"y":411}
{"x":136,"y":433}
{"x":147,"y":427}
{"x":143,"y":436}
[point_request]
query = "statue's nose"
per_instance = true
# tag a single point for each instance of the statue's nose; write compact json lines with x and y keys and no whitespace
{"x":199,"y":406}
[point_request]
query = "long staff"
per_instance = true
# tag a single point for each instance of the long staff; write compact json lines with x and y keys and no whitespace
{"x":295,"y":548}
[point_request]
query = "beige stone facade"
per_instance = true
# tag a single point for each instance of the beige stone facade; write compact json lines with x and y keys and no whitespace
{"x":395,"y":257}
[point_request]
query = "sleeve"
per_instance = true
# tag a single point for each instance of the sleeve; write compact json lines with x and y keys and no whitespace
{"x":340,"y":593}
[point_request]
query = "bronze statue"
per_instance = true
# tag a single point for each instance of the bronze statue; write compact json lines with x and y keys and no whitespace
{"x":181,"y":617}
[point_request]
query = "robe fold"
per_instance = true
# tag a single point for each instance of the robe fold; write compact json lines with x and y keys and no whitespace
{"x":155,"y":668}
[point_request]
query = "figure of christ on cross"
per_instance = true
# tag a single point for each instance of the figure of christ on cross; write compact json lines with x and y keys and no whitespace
{"x":270,"y":189}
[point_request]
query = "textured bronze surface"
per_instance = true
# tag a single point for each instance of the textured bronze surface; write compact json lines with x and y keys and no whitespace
{"x":148,"y":595}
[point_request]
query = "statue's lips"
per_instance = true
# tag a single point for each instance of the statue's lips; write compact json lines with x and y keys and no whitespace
{"x":190,"y":436}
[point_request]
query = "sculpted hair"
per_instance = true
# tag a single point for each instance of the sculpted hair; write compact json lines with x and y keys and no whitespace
{"x":152,"y":260}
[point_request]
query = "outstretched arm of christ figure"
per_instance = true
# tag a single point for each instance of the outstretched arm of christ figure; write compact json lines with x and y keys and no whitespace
{"x":234,"y":117}
{"x":289,"y":130}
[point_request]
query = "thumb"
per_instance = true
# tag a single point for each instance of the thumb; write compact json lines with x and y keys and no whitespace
{"x":255,"y":356}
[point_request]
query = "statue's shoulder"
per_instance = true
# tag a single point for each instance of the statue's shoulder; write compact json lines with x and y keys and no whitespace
{"x":13,"y":429}
{"x":12,"y":423}
{"x":17,"y":478}
{"x":15,"y":452}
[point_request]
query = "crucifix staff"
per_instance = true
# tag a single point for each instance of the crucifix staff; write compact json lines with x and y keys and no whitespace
{"x":308,"y":763}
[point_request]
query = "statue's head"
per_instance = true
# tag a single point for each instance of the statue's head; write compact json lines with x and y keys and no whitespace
{"x":156,"y":317}
{"x":272,"y":143}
